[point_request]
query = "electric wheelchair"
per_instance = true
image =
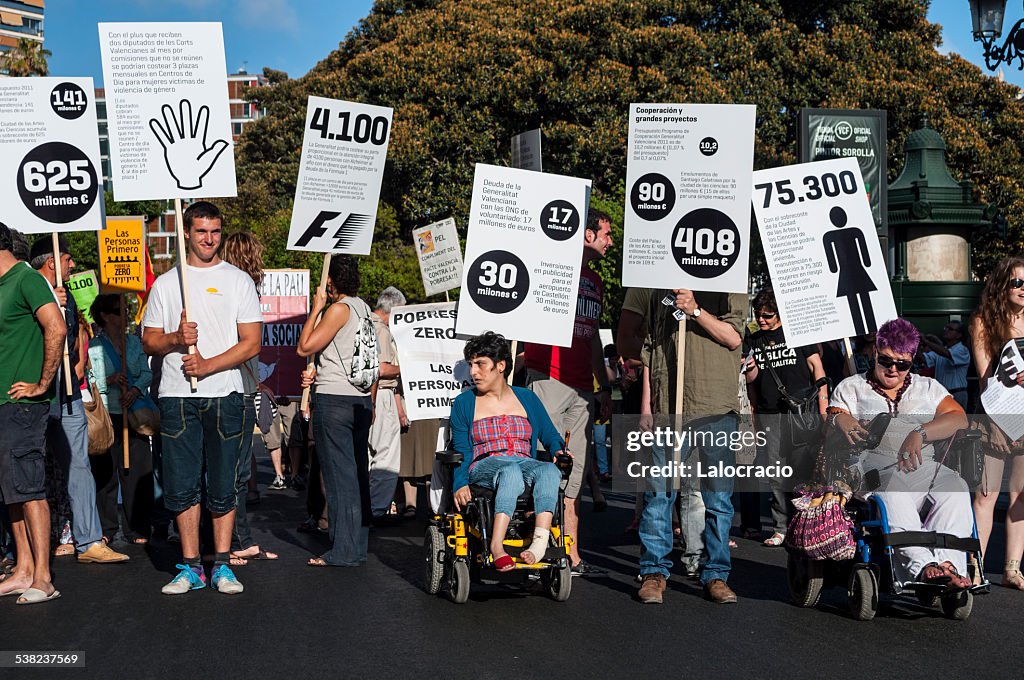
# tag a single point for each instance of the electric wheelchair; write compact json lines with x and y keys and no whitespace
{"x":457,"y":543}
{"x":873,"y":570}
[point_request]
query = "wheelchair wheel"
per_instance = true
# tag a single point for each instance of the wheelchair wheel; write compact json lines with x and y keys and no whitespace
{"x":863,"y":594}
{"x":459,"y":591}
{"x":806,"y":578}
{"x":927,"y":599}
{"x":558,"y":582}
{"x":958,"y":606}
{"x":433,"y":546}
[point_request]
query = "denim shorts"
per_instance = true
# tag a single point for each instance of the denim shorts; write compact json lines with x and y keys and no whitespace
{"x":194,"y":431}
{"x":22,"y":464}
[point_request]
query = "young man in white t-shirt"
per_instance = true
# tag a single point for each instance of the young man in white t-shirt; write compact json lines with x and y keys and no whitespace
{"x":204,"y":425}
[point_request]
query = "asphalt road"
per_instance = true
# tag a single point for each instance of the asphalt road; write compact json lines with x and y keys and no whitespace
{"x":295,"y":621}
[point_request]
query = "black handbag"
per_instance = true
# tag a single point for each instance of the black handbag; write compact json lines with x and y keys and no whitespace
{"x":804,"y":421}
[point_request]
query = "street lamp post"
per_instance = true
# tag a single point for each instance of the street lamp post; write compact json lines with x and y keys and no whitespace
{"x":987,"y":26}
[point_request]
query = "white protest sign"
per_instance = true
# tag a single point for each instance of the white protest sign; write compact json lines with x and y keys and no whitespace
{"x":526,"y":151}
{"x":826,"y":264}
{"x":1003,"y":398}
{"x":167,"y":110}
{"x":687,"y":217}
{"x":440,"y":256}
{"x":50,"y":174}
{"x":344,"y":148}
{"x":434,"y":371}
{"x":524,"y":250}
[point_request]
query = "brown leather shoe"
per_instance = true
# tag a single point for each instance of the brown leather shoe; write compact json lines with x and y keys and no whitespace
{"x":719,"y":591}
{"x":100,"y":553}
{"x":652,"y":588}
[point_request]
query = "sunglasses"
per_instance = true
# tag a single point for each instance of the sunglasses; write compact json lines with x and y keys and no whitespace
{"x":888,"y":362}
{"x":768,"y":315}
{"x":1016,"y":283}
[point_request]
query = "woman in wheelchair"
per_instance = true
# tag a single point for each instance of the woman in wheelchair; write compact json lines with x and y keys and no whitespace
{"x":496,"y":427}
{"x":909,"y":480}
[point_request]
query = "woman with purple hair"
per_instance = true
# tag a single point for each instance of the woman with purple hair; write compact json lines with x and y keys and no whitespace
{"x":910,"y":481}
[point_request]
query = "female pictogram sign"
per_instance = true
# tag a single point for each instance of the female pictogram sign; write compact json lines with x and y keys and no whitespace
{"x":846,"y":251}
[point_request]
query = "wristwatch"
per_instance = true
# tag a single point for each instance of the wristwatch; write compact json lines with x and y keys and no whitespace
{"x":696,"y":312}
{"x":924,"y":435}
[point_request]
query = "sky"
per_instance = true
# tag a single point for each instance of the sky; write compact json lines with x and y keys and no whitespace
{"x":293,"y":35}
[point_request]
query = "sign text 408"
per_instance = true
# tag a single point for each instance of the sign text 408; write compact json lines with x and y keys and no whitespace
{"x":364,"y":128}
{"x":828,"y":185}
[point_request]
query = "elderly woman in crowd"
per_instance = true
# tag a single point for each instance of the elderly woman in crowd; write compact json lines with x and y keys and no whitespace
{"x":922,"y":412}
{"x":496,"y":427}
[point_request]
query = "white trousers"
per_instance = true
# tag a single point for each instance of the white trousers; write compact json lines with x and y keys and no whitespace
{"x":907,"y":494}
{"x":385,"y":452}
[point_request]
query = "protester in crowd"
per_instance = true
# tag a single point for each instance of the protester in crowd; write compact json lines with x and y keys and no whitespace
{"x":949,"y":357}
{"x":496,"y":428}
{"x":910,"y":479}
{"x":388,"y":412}
{"x":629,"y":339}
{"x":771,"y":364}
{"x":863,"y":351}
{"x":204,"y":426}
{"x":419,"y":445}
{"x":601,"y":425}
{"x":999,"y":319}
{"x":32,"y":336}
{"x":710,"y":405}
{"x":833,"y":361}
{"x":20,"y":247}
{"x":294,"y":437}
{"x":244,"y":251}
{"x":563,"y":378}
{"x":67,"y":429}
{"x":121,"y":380}
{"x":342,"y":410}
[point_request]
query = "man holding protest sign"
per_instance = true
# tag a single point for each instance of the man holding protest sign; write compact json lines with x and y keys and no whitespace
{"x":388,"y":414}
{"x":32,"y":334}
{"x":563,"y":378}
{"x":202,"y":426}
{"x":67,"y":430}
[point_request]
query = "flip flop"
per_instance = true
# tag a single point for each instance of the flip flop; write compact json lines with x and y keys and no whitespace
{"x":241,"y":561}
{"x":36,"y":596}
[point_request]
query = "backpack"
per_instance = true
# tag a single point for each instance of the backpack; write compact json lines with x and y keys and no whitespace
{"x":365,"y":367}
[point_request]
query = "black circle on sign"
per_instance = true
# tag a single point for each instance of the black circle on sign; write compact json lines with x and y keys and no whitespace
{"x":57,"y":182}
{"x":706,"y":243}
{"x":560,"y":220}
{"x":709,"y":146}
{"x":68,"y":101}
{"x":498,"y":282}
{"x":652,"y":197}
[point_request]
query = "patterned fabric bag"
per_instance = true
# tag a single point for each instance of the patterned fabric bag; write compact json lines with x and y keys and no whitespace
{"x":821,"y":529}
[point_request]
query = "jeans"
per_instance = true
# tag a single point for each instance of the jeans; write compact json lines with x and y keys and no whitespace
{"x":194,"y":431}
{"x":656,"y":520}
{"x":341,"y":429}
{"x":68,"y":434}
{"x":601,"y":447}
{"x":509,"y":476}
{"x":241,"y":535}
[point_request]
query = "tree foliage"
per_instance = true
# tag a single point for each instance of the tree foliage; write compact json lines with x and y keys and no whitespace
{"x":28,"y":58}
{"x":465,"y":75}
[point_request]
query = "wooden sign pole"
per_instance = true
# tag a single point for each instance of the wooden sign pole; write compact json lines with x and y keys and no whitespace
{"x":59,"y":283}
{"x":183,"y":271}
{"x":851,"y":363}
{"x":680,"y":379}
{"x":124,"y":373}
{"x":322,"y":288}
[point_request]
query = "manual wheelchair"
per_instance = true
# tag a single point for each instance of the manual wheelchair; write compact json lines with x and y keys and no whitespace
{"x":457,"y":543}
{"x":873,"y":569}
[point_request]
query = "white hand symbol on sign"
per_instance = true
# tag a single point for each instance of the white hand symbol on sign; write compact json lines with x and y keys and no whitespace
{"x":185,"y":152}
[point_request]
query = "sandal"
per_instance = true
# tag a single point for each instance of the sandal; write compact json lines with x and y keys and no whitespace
{"x":242,"y":560}
{"x":316,"y":562}
{"x":64,"y":550}
{"x":775,"y":541}
{"x":1011,"y":575}
{"x":957,"y":582}
{"x":504,"y":563}
{"x":938,"y":577}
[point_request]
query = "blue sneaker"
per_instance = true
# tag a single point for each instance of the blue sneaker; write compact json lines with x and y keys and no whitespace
{"x":225,"y":582}
{"x":189,"y":578}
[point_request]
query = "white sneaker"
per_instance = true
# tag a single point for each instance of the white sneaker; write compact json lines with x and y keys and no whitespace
{"x":225,"y":582}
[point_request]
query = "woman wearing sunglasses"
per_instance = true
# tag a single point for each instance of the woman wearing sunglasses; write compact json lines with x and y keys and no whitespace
{"x":911,"y":482}
{"x":999,"y":318}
